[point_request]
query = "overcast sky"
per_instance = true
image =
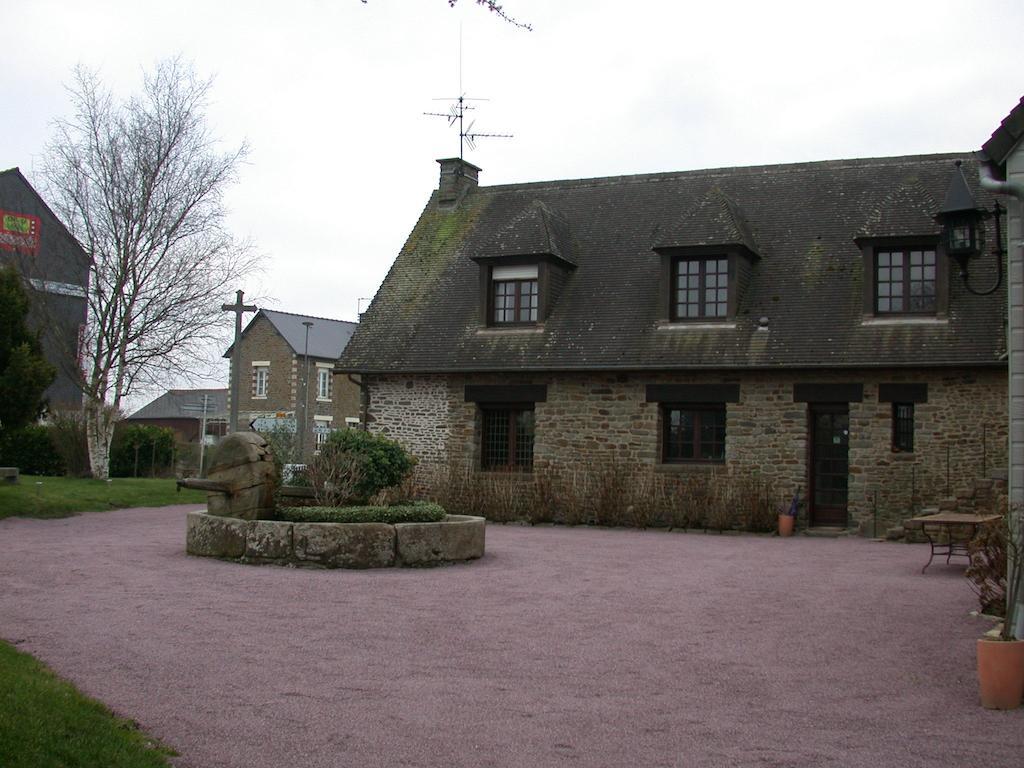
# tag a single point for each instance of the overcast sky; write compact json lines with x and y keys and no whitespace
{"x":330,"y":94}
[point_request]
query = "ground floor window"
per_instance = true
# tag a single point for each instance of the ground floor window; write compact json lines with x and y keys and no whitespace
{"x":693,"y":433}
{"x":507,"y":438}
{"x":903,"y":427}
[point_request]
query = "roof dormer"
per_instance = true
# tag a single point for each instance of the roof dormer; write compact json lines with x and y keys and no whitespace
{"x":524,"y":268}
{"x":904,"y":266}
{"x":706,"y":257}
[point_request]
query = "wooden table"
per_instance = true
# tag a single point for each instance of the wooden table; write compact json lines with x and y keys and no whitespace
{"x":946,"y":522}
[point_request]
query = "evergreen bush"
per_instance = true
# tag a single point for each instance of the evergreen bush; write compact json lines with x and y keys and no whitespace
{"x":417,"y":512}
{"x":31,"y":450}
{"x":67,"y":432}
{"x":141,"y":450}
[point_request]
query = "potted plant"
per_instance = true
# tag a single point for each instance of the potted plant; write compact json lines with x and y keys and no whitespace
{"x":787,"y":516}
{"x":997,"y":562}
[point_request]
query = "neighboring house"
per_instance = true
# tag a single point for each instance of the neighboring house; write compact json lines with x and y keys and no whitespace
{"x":273,"y":365}
{"x":802,"y":321}
{"x":182,"y":411}
{"x":56,"y":269}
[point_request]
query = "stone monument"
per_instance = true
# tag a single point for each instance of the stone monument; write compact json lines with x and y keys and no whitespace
{"x":240,"y":481}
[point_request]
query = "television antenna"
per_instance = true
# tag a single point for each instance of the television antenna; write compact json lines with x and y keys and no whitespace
{"x":457,"y":113}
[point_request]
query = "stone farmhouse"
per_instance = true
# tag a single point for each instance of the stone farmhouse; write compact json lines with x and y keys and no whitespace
{"x":273,"y":366}
{"x":805,"y":322}
{"x":56,"y":271}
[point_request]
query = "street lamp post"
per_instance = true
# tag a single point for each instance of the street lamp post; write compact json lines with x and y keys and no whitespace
{"x":305,"y":394}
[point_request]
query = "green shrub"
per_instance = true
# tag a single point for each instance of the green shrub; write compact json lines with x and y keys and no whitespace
{"x":67,"y":432}
{"x":418,"y":512}
{"x":382,"y":463}
{"x":141,"y":450}
{"x":31,"y":450}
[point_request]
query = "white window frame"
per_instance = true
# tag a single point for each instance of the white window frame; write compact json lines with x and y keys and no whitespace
{"x":323,"y":383}
{"x":319,"y":436}
{"x":261,"y":379}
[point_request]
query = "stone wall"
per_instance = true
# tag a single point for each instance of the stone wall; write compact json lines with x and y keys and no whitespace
{"x":414,"y":410}
{"x":590,"y":420}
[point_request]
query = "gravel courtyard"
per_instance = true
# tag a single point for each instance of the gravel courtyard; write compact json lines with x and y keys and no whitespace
{"x":578,"y":647}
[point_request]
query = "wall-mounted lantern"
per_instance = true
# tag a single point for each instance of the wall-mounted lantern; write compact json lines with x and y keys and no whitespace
{"x":961,"y":221}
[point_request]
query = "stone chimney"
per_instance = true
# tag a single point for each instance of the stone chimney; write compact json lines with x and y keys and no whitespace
{"x":457,"y":178}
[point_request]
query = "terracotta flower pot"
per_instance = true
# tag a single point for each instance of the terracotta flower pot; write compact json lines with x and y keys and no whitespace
{"x":1001,"y":673}
{"x":786,"y":524}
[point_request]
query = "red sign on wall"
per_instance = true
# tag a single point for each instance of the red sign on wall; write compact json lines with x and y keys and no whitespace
{"x":19,"y":232}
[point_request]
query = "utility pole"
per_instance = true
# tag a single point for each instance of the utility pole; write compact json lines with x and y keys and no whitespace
{"x":204,"y":410}
{"x":239,"y":308}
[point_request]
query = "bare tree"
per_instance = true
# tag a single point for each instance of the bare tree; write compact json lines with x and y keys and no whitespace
{"x":140,"y":183}
{"x":335,"y":474}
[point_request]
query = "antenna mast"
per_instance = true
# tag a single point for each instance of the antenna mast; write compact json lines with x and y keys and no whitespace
{"x":457,"y":113}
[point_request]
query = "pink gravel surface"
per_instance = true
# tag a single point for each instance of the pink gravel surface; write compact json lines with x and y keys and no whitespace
{"x":579,"y":647}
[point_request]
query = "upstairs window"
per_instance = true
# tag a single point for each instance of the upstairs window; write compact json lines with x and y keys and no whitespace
{"x":905,"y":281}
{"x":323,"y":383}
{"x":700,"y":289}
{"x":693,"y":433}
{"x":260,"y":379}
{"x":515,"y":298}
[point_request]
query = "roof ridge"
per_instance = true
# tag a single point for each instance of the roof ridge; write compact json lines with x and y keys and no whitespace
{"x":311,"y":317}
{"x":858,"y":162}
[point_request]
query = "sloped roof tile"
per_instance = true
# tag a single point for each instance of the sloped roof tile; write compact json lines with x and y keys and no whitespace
{"x":809,"y":284}
{"x":327,"y":338}
{"x":185,"y":404}
{"x":715,"y":220}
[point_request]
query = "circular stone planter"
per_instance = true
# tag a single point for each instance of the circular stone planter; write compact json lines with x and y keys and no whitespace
{"x":335,"y":545}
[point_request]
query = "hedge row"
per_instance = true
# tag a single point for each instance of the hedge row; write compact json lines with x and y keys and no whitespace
{"x":417,"y":512}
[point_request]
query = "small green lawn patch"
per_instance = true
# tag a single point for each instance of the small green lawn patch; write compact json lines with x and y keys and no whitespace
{"x":418,"y":512}
{"x":46,"y":723}
{"x":45,"y":497}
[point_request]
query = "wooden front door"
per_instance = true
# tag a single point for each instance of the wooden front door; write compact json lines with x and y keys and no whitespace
{"x":829,"y":465}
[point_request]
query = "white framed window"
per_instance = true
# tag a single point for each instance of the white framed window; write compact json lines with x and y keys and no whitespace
{"x":322,"y":427}
{"x":323,"y":383}
{"x":515,"y":297}
{"x":260,"y":378}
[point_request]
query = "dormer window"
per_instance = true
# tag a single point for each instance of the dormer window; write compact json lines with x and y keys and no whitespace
{"x":706,"y":260}
{"x":904,"y":277}
{"x":515,"y":297}
{"x":700,"y":288}
{"x":524,"y":269}
{"x":905,"y":281}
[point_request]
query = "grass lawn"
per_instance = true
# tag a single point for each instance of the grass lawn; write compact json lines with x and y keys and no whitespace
{"x":40,"y":496}
{"x":46,"y":723}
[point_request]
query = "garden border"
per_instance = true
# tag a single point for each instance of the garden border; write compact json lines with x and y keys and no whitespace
{"x":457,"y":538}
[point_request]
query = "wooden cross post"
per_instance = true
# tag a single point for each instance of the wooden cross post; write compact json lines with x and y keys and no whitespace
{"x":239,"y":308}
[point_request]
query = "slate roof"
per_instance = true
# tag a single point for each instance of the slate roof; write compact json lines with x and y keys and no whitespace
{"x":1005,"y":137}
{"x":536,"y":231}
{"x":169,"y":405}
{"x":327,"y":338}
{"x":801,"y":219}
{"x":716,"y":220}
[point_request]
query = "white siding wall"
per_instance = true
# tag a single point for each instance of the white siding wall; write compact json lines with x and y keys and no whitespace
{"x":1015,"y":230}
{"x":1015,"y":251}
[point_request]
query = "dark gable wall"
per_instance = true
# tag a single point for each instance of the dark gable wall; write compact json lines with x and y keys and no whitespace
{"x":59,"y":260}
